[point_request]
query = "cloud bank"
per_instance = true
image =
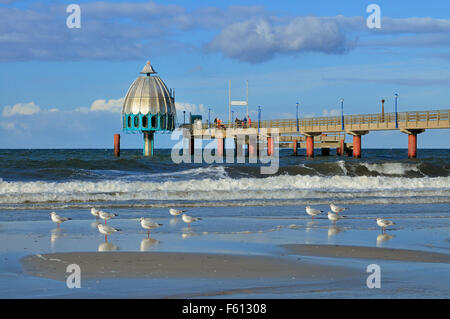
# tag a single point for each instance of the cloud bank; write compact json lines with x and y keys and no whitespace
{"x":252,"y":34}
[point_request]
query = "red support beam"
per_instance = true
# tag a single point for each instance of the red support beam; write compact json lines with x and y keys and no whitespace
{"x":220,"y":147}
{"x":412,"y":145}
{"x":357,"y":146}
{"x":251,"y":149}
{"x":270,"y":146}
{"x":117,"y":145}
{"x":294,"y":147}
{"x":310,"y":146}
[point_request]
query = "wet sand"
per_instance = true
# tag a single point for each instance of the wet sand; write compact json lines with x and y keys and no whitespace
{"x":95,"y":265}
{"x":367,"y":253}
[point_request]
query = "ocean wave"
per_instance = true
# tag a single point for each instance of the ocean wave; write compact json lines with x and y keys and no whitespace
{"x":391,"y":168}
{"x":222,"y":189}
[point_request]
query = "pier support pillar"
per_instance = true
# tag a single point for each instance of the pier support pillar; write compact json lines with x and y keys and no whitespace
{"x":191,"y":145}
{"x":117,"y":145}
{"x":294,"y":147}
{"x":309,"y":146}
{"x":220,"y":146}
{"x":325,"y":152}
{"x":357,"y":146}
{"x":412,"y":141}
{"x":340,"y":149}
{"x":148,"y":143}
{"x":412,"y":145}
{"x":252,"y":149}
{"x":238,"y":148}
{"x":357,"y":142}
{"x":270,"y":146}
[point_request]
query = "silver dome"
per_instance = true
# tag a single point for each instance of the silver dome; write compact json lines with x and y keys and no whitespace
{"x":149,"y":94}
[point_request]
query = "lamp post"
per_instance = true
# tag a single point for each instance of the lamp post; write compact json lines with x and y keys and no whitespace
{"x":396,"y":115}
{"x":184,"y":117}
{"x":232,"y":119}
{"x":298,"y":129}
{"x":209,"y":117}
{"x":342,"y":113}
{"x":259,"y":117}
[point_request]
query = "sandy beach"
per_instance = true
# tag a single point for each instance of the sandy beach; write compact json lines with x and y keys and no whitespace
{"x":246,"y":252}
{"x":375,"y":253}
{"x":95,"y":265}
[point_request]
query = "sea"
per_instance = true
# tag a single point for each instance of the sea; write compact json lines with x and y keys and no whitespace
{"x":76,"y":178}
{"x":243,"y":212}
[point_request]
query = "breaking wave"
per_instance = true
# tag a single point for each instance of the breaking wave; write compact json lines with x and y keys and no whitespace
{"x":281,"y":187}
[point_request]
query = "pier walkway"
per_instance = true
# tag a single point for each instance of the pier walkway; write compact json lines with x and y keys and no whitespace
{"x":323,"y":132}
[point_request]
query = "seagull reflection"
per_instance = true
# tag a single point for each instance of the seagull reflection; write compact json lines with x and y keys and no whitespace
{"x":174,"y":221}
{"x":148,"y":243}
{"x":310,"y":224}
{"x":334,"y":230}
{"x":382,"y":238}
{"x":187,"y":232}
{"x":107,"y":246}
{"x":95,"y":224}
{"x":55,"y":234}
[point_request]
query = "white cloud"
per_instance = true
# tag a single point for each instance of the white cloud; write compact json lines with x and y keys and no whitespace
{"x":189,"y":107}
{"x":332,"y":112}
{"x":111,"y":105}
{"x":258,"y":40}
{"x":21,"y":109}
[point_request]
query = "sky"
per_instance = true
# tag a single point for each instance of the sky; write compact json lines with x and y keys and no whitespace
{"x":64,"y":87}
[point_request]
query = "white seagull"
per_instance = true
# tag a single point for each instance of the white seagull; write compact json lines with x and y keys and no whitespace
{"x":95,"y":212}
{"x":337,"y":209}
{"x":176,"y":212}
{"x":106,"y":216}
{"x":383,"y":223}
{"x":312,"y":211}
{"x":148,"y":224}
{"x":189,"y":219}
{"x":334,"y":217}
{"x":58,"y":219}
{"x":107,"y":230}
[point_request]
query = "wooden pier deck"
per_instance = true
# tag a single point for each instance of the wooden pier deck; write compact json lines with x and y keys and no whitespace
{"x":328,"y":132}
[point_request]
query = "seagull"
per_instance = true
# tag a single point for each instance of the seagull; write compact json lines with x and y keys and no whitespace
{"x":106,"y":216}
{"x":175,"y":212}
{"x":337,"y":209}
{"x":146,"y":223}
{"x":95,"y":212}
{"x":189,"y":219}
{"x":383,"y":223}
{"x":334,"y":217}
{"x":312,"y":212}
{"x":58,"y":219}
{"x":107,"y":230}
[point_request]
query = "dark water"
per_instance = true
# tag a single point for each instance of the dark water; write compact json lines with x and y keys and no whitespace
{"x":71,"y":178}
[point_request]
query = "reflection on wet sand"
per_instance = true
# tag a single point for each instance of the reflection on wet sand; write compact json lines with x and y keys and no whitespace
{"x":148,"y":243}
{"x":310,"y":224}
{"x":107,"y":246}
{"x":55,"y":234}
{"x":174,"y":221}
{"x":382,"y":238}
{"x":94,"y":225}
{"x":187,"y":232}
{"x":334,"y":230}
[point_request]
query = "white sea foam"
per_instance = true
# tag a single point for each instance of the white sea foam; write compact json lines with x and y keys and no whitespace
{"x":391,"y":168}
{"x":208,"y":189}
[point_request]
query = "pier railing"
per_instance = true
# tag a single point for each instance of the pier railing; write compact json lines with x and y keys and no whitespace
{"x":386,"y":121}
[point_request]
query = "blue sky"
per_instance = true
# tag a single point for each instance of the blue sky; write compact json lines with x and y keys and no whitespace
{"x":63,"y":88}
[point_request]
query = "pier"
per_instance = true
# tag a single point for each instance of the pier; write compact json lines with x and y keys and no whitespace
{"x":323,"y":133}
